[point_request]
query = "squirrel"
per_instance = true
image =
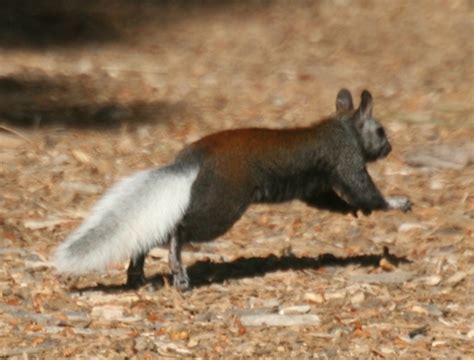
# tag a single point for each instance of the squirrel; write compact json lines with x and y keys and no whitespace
{"x":213,"y":181}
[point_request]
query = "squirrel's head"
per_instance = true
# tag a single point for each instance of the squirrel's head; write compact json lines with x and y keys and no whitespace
{"x":372,"y":137}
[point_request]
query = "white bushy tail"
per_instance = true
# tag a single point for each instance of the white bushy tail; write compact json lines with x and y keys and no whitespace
{"x":135,"y":215}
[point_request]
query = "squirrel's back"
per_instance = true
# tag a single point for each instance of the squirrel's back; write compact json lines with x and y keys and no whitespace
{"x":240,"y":152}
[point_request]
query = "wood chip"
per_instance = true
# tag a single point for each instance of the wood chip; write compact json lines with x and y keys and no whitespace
{"x":395,"y":277}
{"x":456,"y":278}
{"x":44,"y":224}
{"x":280,"y":320}
{"x":295,"y":309}
{"x":313,"y":298}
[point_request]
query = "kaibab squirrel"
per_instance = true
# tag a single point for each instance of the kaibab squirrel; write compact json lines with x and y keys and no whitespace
{"x":214,"y":180}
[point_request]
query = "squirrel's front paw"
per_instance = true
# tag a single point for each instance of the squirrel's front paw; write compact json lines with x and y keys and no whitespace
{"x":399,"y":202}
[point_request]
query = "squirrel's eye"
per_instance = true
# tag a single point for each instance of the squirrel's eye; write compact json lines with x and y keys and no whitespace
{"x":380,"y":132}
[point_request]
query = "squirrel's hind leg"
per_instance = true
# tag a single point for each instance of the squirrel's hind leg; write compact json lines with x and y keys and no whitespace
{"x":135,"y":272}
{"x":180,"y":276}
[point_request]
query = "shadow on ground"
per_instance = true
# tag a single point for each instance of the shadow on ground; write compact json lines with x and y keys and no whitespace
{"x":73,"y":23}
{"x":40,"y":24}
{"x":204,"y":273}
{"x":76,"y":102}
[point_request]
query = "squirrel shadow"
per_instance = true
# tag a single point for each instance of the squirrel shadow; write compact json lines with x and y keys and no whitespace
{"x":204,"y":273}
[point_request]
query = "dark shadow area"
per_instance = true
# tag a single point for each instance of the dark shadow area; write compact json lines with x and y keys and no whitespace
{"x":72,"y":101}
{"x":38,"y":24}
{"x":98,"y":116}
{"x":203,"y":273}
{"x":69,"y":23}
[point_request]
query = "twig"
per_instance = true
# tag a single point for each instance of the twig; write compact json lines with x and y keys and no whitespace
{"x":17,"y":133}
{"x":28,"y":140}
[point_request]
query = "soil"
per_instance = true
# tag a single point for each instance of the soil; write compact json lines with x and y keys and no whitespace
{"x":90,"y":95}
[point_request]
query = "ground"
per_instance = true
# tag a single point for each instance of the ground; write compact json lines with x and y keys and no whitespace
{"x":88,"y":96}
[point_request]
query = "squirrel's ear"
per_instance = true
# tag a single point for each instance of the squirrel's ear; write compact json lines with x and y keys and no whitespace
{"x":344,"y":100}
{"x":366,"y":105}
